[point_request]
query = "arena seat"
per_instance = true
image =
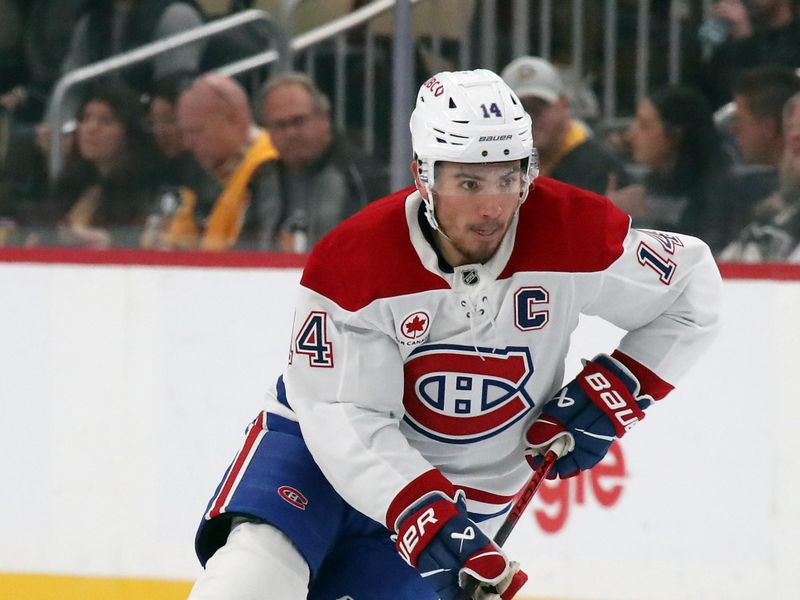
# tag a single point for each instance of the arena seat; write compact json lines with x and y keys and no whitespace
{"x":308,"y":14}
{"x":444,"y":19}
{"x":215,"y":8}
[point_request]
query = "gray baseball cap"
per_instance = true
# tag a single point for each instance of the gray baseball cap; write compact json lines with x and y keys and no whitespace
{"x":533,"y":76}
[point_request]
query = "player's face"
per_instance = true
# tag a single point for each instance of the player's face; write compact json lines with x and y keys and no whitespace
{"x":474,"y":206}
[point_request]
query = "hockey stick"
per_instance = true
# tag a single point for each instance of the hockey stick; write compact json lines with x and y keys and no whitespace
{"x":523,"y":500}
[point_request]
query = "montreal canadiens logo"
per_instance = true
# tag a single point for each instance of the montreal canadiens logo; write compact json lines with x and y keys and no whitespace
{"x":293,"y":497}
{"x":455,"y":394}
{"x":415,"y":326}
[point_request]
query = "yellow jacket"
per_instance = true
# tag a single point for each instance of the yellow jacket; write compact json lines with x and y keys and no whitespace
{"x":227,"y":215}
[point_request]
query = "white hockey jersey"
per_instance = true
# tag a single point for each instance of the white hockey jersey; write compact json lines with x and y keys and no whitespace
{"x":401,"y":373}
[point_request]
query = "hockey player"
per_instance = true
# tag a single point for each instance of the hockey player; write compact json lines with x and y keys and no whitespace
{"x":426,"y":361}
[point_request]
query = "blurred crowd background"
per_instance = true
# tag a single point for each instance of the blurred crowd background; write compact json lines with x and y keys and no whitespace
{"x":263,"y":136}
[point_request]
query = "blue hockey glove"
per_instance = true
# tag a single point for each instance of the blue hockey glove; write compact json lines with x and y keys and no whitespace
{"x":436,"y":537}
{"x":602,"y":403}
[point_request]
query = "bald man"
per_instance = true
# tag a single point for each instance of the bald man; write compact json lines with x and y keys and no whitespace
{"x":216,"y":124}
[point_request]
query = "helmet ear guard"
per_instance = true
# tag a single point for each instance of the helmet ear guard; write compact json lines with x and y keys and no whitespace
{"x":470,"y":117}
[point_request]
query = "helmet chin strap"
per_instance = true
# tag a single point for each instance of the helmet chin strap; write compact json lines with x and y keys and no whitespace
{"x":430,"y":213}
{"x":434,"y":222}
{"x":430,"y":209}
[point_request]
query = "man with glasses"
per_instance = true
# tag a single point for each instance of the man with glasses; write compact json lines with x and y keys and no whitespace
{"x":319,"y":179}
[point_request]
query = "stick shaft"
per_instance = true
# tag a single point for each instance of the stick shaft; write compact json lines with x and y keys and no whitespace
{"x":524,"y":498}
{"x":522,"y":502}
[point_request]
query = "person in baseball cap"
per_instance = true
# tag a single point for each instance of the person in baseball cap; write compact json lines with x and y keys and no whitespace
{"x":567,"y":150}
{"x":531,"y":76}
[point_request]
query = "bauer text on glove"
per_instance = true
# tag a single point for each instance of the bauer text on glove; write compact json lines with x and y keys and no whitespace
{"x":436,"y":536}
{"x":601,"y":404}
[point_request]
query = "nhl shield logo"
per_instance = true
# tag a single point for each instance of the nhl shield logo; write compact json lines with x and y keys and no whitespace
{"x":470,"y":277}
{"x":456,"y":394}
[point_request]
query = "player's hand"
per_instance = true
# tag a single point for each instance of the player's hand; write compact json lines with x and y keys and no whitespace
{"x":435,"y":536}
{"x":506,"y":588}
{"x":599,"y":405}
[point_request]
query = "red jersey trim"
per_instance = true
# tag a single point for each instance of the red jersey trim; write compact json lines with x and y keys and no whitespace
{"x":486,"y":497}
{"x":429,"y":481}
{"x":651,"y":384}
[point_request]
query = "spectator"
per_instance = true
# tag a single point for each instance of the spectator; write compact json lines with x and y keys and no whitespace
{"x":186,"y":185}
{"x":319,"y":179}
{"x":674,"y":137}
{"x":761,"y":32}
{"x":759,"y":97}
{"x":108,"y":27}
{"x":106,"y":185}
{"x":42,"y":45}
{"x":216,"y":124}
{"x":774,"y":233}
{"x":567,"y":150}
{"x":757,"y":129}
{"x":163,"y":117}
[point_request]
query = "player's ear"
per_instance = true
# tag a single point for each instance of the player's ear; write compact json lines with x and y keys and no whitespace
{"x":415,"y":172}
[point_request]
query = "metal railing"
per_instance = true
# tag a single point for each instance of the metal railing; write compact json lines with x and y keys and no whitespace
{"x":403,"y":75}
{"x":311,"y":38}
{"x":523,"y":10}
{"x":480,"y":45}
{"x":56,"y":117}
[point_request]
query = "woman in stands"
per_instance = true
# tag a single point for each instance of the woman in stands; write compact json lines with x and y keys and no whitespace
{"x":687,"y":168}
{"x":108,"y":183}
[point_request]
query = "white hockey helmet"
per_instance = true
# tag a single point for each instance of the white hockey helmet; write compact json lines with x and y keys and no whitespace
{"x":470,"y":117}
